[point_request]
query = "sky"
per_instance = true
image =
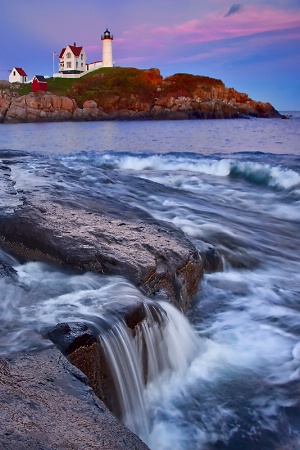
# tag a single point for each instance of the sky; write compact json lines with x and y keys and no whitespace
{"x":251,"y":45}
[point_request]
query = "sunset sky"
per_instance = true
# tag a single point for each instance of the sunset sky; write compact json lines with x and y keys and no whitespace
{"x":253,"y":46}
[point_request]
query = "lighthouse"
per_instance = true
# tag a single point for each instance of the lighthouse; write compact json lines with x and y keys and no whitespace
{"x":107,"y":58}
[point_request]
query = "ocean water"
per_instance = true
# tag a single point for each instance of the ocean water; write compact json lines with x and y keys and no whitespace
{"x":233,"y":375}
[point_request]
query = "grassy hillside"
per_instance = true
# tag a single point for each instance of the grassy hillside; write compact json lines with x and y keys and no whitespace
{"x":116,"y":85}
{"x":57,"y":86}
{"x":188,"y":85}
{"x":128,"y":88}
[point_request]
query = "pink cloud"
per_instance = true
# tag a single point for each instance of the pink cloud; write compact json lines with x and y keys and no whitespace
{"x":212,"y":27}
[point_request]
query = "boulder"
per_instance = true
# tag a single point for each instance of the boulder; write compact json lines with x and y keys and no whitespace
{"x":212,"y":260}
{"x":89,"y":104}
{"x":4,"y":105}
{"x":4,"y":84}
{"x":107,"y":235}
{"x":40,"y":107}
{"x":154,"y":257}
{"x":47,"y":404}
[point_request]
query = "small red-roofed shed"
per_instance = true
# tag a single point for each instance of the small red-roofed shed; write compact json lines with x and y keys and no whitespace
{"x":39,"y":83}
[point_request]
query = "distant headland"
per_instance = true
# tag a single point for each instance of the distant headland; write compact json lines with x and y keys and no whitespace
{"x":117,"y":93}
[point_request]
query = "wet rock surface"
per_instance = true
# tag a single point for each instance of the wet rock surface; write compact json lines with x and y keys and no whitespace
{"x":50,"y":213}
{"x":7,"y":271}
{"x":46,"y":404}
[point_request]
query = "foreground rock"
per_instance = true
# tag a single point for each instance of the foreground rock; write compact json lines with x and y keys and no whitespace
{"x":46,"y":404}
{"x":43,"y":218}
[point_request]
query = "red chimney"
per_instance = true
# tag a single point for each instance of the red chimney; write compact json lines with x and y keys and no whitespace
{"x":74,"y":44}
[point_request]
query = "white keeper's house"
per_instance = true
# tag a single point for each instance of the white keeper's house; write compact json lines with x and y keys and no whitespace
{"x":72,"y":59}
{"x":17,"y":75}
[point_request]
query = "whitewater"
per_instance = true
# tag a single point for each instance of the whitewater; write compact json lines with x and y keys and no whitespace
{"x":226,"y":376}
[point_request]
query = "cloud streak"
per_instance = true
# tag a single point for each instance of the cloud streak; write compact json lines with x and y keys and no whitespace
{"x":234,"y":9}
{"x":214,"y":27}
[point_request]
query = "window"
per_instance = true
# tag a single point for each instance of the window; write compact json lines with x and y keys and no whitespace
{"x":14,"y":74}
{"x":68,"y":55}
{"x":68,"y":64}
{"x":81,"y":64}
{"x":81,"y":56}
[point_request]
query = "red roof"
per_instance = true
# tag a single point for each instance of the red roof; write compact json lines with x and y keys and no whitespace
{"x":40,"y":78}
{"x":74,"y":49}
{"x":21,"y":71}
{"x":62,"y":52}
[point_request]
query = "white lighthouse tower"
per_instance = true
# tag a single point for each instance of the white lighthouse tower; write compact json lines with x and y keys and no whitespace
{"x":107,"y":58}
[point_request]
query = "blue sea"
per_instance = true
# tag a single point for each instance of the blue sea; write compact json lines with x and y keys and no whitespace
{"x":234,"y":383}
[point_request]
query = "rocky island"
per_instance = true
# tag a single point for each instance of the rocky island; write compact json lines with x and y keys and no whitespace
{"x":128,"y":94}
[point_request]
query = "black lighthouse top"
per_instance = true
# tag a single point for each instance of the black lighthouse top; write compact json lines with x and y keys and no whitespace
{"x":107,"y":35}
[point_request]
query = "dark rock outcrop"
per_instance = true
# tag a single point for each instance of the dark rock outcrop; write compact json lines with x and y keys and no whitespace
{"x":102,"y":234}
{"x":153,"y":257}
{"x":46,"y":404}
{"x":212,"y":260}
{"x":7,"y":271}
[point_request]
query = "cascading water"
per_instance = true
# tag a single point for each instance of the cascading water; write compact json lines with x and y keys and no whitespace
{"x":139,"y":360}
{"x":126,"y":370}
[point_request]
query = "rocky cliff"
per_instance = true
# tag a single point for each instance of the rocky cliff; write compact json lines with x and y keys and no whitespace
{"x":131,"y":94}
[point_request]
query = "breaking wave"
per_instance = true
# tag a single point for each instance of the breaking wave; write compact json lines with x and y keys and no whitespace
{"x":258,"y":173}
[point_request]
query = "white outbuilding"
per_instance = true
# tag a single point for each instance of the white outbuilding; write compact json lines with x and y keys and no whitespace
{"x":17,"y":75}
